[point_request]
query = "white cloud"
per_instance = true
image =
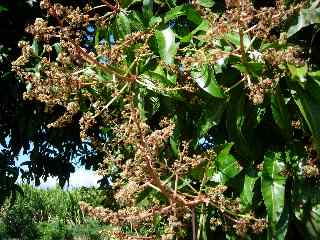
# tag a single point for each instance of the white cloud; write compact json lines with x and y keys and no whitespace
{"x":83,"y":178}
{"x":80,"y":178}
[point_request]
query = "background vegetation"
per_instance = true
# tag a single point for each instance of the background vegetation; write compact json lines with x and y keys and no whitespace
{"x":52,"y":214}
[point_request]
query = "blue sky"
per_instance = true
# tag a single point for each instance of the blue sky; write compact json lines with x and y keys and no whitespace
{"x":80,"y":178}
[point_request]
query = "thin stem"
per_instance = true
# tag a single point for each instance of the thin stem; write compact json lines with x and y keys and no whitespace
{"x":112,"y":100}
{"x":234,"y":85}
{"x":97,"y":7}
{"x":193,"y":223}
{"x":108,"y":4}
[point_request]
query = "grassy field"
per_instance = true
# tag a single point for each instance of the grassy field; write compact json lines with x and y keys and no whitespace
{"x":52,"y":214}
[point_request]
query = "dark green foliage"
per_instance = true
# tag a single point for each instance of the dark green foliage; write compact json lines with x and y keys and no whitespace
{"x":23,"y":123}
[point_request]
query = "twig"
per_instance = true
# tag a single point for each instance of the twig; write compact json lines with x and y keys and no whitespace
{"x":105,"y":68}
{"x":112,"y":100}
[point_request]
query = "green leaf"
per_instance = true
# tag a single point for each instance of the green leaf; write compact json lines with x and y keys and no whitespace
{"x":227,"y":164}
{"x":166,"y":45}
{"x":298,"y":73}
{"x":206,"y":3}
{"x":273,"y":186}
{"x":171,"y":3}
{"x":234,"y":38}
{"x":306,"y":17}
{"x":253,"y":68}
{"x":123,"y":24}
{"x":247,"y":192}
{"x":280,"y":113}
{"x":237,"y":131}
{"x":183,"y":10}
{"x":310,"y":110}
{"x":280,"y":230}
{"x":204,"y":26}
{"x":205,"y":78}
{"x":210,"y":117}
{"x":3,"y":9}
{"x":148,"y":8}
{"x":57,"y":48}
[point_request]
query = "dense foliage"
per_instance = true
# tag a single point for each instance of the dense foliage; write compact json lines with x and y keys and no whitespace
{"x":23,"y":123}
{"x":207,"y":112}
{"x":52,"y":214}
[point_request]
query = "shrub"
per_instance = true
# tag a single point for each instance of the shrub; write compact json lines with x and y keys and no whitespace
{"x":19,"y":222}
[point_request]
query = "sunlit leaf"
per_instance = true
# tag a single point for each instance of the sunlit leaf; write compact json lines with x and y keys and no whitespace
{"x":248,"y":185}
{"x":273,"y":186}
{"x":183,"y":10}
{"x":205,"y":78}
{"x":167,"y":45}
{"x":206,"y":3}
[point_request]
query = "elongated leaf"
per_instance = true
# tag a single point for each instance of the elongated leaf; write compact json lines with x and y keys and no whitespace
{"x":253,"y":68}
{"x":166,"y":45}
{"x":237,"y":130}
{"x":273,"y":186}
{"x":280,"y":113}
{"x":306,"y":96}
{"x":123,"y":24}
{"x":310,"y":110}
{"x":206,"y":80}
{"x":204,"y":26}
{"x":35,"y":47}
{"x":183,"y":10}
{"x":148,"y":8}
{"x":206,"y":3}
{"x":210,"y":117}
{"x":247,"y":192}
{"x":227,"y":164}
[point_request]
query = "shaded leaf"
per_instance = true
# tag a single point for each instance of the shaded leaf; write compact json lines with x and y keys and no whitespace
{"x":210,"y":117}
{"x":205,"y":78}
{"x":3,"y":9}
{"x":280,"y":113}
{"x":253,"y":68}
{"x":306,"y":17}
{"x":227,"y":164}
{"x":306,"y":96}
{"x":247,"y":192}
{"x":148,"y":8}
{"x":123,"y":24}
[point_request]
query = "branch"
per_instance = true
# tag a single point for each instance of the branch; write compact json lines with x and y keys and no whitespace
{"x":106,"y":68}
